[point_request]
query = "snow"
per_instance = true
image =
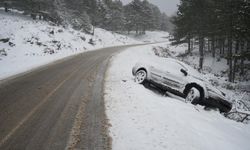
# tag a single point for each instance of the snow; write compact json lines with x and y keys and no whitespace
{"x":215,"y":70}
{"x":144,"y":119}
{"x":150,"y":36}
{"x":37,"y":43}
{"x":140,"y":118}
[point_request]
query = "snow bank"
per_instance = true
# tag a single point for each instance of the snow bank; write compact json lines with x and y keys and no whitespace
{"x":143,"y":119}
{"x":28,"y":43}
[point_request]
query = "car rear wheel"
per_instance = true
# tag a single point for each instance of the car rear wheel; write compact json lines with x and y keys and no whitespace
{"x":193,"y":96}
{"x":140,"y":76}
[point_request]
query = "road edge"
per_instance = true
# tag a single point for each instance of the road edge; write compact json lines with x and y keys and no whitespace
{"x":107,"y":124}
{"x":10,"y":78}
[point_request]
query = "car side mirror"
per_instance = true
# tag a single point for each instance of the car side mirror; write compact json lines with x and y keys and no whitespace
{"x":184,"y":72}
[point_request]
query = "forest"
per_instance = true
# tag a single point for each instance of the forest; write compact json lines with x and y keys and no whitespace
{"x":220,"y":27}
{"x":85,"y":15}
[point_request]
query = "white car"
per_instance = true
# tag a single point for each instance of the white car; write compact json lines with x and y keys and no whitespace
{"x":178,"y":78}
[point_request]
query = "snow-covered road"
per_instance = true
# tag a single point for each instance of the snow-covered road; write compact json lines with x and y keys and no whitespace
{"x":142,"y":119}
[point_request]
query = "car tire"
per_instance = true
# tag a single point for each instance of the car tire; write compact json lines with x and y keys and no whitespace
{"x":141,"y":76}
{"x":193,"y":96}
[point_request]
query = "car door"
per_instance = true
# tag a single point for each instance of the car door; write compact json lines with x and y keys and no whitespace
{"x":172,"y":76}
{"x":156,"y":73}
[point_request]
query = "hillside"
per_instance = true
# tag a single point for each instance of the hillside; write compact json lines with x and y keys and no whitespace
{"x":27,"y":44}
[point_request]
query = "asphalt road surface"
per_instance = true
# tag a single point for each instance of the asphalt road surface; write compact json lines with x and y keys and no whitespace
{"x":59,"y":106}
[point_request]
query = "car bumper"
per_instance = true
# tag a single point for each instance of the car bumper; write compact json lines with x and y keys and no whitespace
{"x":133,"y":71}
{"x":218,"y":102}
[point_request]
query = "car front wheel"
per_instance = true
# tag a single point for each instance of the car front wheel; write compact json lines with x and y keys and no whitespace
{"x":193,"y":96}
{"x":140,"y":76}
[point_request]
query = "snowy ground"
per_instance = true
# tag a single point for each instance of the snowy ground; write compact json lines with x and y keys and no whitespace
{"x":28,"y":44}
{"x":150,"y":36}
{"x":143,"y":119}
{"x":139,"y":117}
{"x":215,"y":70}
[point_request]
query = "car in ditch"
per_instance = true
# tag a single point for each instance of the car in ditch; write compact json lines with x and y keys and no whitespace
{"x":174,"y":76}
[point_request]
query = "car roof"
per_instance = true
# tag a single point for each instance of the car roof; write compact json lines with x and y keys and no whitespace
{"x":171,"y":63}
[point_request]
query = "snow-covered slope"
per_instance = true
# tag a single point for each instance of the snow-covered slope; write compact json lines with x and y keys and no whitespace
{"x":28,"y":44}
{"x":215,"y":69}
{"x":143,"y":119}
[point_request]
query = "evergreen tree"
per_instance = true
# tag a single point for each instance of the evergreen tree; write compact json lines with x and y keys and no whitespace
{"x":117,"y":16}
{"x":158,"y":18}
{"x":129,"y":15}
{"x":138,"y":15}
{"x":164,"y":23}
{"x":223,"y":22}
{"x":147,"y":18}
{"x":136,"y":19}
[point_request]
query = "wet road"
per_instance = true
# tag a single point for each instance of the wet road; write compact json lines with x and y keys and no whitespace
{"x":59,"y":106}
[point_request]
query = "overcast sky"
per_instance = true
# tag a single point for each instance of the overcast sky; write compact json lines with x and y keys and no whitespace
{"x":167,"y":6}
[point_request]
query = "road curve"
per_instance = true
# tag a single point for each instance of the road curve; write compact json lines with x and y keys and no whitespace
{"x":59,"y":106}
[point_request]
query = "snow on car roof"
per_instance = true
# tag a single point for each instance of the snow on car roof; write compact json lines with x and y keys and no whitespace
{"x":171,"y":63}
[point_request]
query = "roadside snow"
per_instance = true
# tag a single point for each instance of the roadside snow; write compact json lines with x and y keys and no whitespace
{"x":215,"y":70}
{"x":143,"y":119}
{"x":150,"y":36}
{"x":33,"y":43}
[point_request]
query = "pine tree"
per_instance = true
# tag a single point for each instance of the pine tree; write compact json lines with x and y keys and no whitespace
{"x":147,"y":18}
{"x":224,"y":23}
{"x":136,"y":19}
{"x":117,"y":16}
{"x":164,"y":23}
{"x":129,"y":17}
{"x":159,"y":19}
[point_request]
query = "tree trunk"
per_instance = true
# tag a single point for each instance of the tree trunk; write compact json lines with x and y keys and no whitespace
{"x":201,"y":50}
{"x":189,"y":45}
{"x":243,"y":48}
{"x":93,"y":31}
{"x":213,"y":46}
{"x":209,"y":45}
{"x":220,"y":42}
{"x":223,"y":47}
{"x":229,"y":58}
{"x":192,"y":44}
{"x":237,"y":48}
{"x":235,"y":68}
{"x":6,"y":7}
{"x":144,"y":30}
